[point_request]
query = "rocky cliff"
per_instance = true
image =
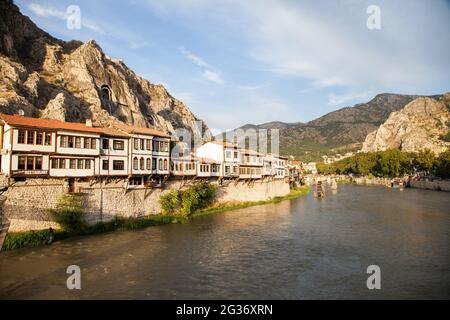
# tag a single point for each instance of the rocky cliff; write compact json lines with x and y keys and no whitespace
{"x":75,"y":81}
{"x":423,"y":123}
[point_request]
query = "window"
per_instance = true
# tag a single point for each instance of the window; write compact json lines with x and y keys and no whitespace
{"x":227,"y":169}
{"x":165,"y":146}
{"x":141,"y":164}
{"x":160,"y":165}
{"x":105,"y":165}
{"x":30,"y":163}
{"x":135,"y":163}
{"x":165,"y":164}
{"x":48,"y":138}
{"x":142,"y":143}
{"x":87,"y":164}
{"x":149,"y":144}
{"x":136,"y":143}
{"x":21,"y":136}
{"x":73,"y":164}
{"x":54,"y":163}
{"x":135,"y":181}
{"x":118,"y":145}
{"x":62,"y":163}
{"x":38,"y":163}
{"x":156,"y":146}
{"x":235,"y":155}
{"x":118,"y":164}
{"x":64,"y":141}
{"x":80,"y":163}
{"x":149,"y":164}
{"x":70,"y":141}
{"x":105,"y":144}
{"x":87,"y":143}
{"x":228,"y":154}
{"x":153,"y":164}
{"x":39,"y":137}
{"x":30,"y":137}
{"x":78,"y":142}
{"x":93,"y":143}
{"x":21,"y":163}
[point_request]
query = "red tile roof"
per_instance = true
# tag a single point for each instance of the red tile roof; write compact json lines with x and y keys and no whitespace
{"x":138,"y":130}
{"x":17,"y":120}
{"x":206,"y":160}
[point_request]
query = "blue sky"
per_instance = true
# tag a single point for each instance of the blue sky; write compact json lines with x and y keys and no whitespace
{"x":235,"y":62}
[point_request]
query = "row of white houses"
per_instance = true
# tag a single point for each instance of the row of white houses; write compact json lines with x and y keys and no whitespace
{"x":43,"y":148}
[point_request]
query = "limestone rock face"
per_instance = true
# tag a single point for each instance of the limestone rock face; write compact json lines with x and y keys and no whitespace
{"x":56,"y":108}
{"x":48,"y":77}
{"x":419,"y":125}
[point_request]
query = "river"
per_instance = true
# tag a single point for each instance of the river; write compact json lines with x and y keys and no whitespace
{"x":305,"y":248}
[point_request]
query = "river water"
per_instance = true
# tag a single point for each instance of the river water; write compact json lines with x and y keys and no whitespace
{"x":306,"y":248}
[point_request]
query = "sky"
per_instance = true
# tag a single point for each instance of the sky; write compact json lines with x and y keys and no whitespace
{"x":234,"y":62}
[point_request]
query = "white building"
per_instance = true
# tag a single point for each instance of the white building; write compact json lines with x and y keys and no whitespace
{"x":183,"y":162}
{"x":279,"y":165}
{"x":310,"y":167}
{"x":148,"y":155}
{"x":251,"y":166}
{"x":114,"y":149}
{"x":47,"y":148}
{"x":222,"y":158}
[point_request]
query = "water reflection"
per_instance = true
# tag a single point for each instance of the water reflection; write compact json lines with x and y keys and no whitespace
{"x":305,"y":248}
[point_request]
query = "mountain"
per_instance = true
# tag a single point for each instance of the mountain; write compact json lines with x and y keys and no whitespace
{"x":423,"y":123}
{"x":75,"y":81}
{"x":339,"y":131}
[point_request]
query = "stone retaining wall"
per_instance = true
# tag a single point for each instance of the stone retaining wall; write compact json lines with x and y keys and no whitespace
{"x":28,"y":203}
{"x":440,"y":185}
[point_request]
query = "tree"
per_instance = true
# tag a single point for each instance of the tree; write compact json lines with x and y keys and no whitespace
{"x":425,"y":160}
{"x":393,"y":163}
{"x":442,"y":165}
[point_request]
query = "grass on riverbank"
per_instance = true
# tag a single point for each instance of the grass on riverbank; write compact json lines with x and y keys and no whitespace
{"x":16,"y":240}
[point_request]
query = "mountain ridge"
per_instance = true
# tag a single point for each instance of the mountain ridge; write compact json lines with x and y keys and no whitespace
{"x":338,"y":131}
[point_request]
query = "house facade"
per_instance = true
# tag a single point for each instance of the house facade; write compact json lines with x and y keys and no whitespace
{"x":47,"y":148}
{"x":44,"y":148}
{"x":251,"y":166}
{"x":223,"y":158}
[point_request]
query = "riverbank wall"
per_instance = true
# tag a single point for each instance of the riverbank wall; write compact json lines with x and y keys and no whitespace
{"x":438,"y":185}
{"x":28,"y":202}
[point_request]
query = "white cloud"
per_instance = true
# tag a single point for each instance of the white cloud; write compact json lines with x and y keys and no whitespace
{"x":194,"y":58}
{"x":208,"y":71}
{"x":213,"y":76}
{"x":46,"y":12}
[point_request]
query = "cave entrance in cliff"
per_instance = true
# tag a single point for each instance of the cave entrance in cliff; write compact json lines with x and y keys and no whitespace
{"x":106,"y":97}
{"x":106,"y":92}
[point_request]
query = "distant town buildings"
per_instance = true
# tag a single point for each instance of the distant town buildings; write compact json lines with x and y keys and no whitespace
{"x":337,"y":157}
